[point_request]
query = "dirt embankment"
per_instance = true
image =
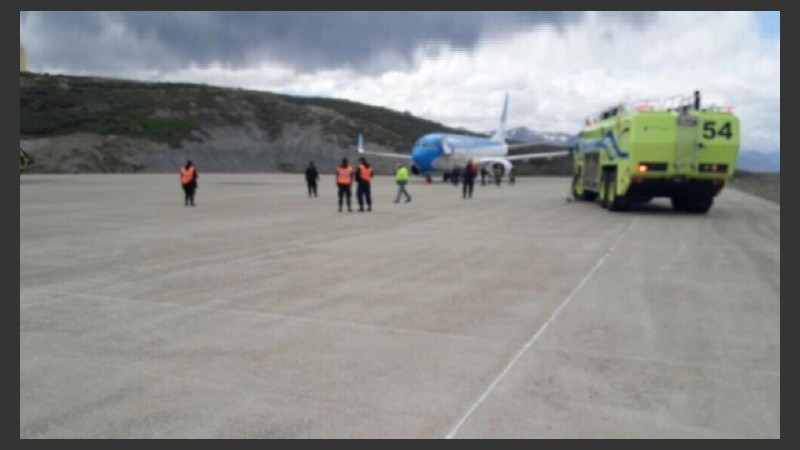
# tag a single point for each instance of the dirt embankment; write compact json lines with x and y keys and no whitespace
{"x":764,"y":185}
{"x":90,"y":125}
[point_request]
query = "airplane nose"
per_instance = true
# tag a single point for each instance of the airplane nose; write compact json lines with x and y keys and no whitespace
{"x":423,"y":158}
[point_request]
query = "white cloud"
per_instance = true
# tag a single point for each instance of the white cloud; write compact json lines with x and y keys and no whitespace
{"x":556,"y":77}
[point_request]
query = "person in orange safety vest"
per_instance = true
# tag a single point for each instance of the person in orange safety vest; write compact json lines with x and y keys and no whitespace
{"x":344,"y":179}
{"x":363,"y":190}
{"x":189,"y":182}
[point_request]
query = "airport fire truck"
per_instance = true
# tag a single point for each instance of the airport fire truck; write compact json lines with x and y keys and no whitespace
{"x":670,"y":148}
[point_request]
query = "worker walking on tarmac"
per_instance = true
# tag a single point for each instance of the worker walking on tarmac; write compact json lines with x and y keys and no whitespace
{"x":402,"y":179}
{"x":312,"y":176}
{"x":484,"y":174}
{"x":498,"y":174}
{"x":470,"y":173}
{"x":188,"y":182}
{"x":363,"y":191}
{"x":344,"y":179}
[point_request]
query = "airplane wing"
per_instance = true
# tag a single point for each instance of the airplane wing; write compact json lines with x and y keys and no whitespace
{"x":391,"y":155}
{"x":533,"y":155}
{"x":537,"y":155}
{"x":515,"y":145}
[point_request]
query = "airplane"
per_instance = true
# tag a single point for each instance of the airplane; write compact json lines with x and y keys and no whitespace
{"x":449,"y":153}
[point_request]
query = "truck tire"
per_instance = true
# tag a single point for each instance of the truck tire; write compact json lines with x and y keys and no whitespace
{"x":575,"y":193}
{"x":581,"y":194}
{"x":614,"y":202}
{"x":606,"y":198}
{"x":678,"y":202}
{"x":604,"y":194}
{"x":699,"y":204}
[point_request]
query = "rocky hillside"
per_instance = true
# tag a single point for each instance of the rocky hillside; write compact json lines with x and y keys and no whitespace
{"x":80,"y":124}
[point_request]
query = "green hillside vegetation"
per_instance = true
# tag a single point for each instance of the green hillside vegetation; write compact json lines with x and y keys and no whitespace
{"x":53,"y":105}
{"x":403,"y":127}
{"x":191,"y":116}
{"x":56,"y":105}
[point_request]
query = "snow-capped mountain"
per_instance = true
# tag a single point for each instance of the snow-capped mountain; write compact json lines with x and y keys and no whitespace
{"x":754,"y":161}
{"x":524,"y":134}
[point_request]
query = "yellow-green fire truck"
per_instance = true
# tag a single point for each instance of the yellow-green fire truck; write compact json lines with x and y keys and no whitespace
{"x":673,"y":148}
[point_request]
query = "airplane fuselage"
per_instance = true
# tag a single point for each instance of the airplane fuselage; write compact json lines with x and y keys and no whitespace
{"x":446,"y":152}
{"x":441,"y":152}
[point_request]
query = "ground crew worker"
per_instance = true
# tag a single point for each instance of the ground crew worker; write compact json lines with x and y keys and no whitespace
{"x":363,"y":190}
{"x":188,"y":182}
{"x":470,"y":173}
{"x":402,"y":179}
{"x":511,"y":176}
{"x":498,"y":174}
{"x":484,"y":174}
{"x":344,"y":179}
{"x":312,"y":176}
{"x":455,"y":176}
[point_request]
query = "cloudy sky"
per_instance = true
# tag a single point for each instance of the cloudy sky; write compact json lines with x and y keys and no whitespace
{"x":452,"y":67}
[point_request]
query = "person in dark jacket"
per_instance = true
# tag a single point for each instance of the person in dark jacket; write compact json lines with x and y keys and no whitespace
{"x":312,"y":176}
{"x":498,"y":174}
{"x":470,"y":173}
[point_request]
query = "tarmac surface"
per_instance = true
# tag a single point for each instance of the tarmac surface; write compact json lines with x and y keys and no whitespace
{"x":262,"y":313}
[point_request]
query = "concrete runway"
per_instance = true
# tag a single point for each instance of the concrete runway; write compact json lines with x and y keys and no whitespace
{"x":262,"y":313}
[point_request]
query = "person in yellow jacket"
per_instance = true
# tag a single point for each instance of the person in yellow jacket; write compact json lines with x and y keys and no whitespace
{"x":344,"y":179}
{"x":188,"y":182}
{"x":402,"y":179}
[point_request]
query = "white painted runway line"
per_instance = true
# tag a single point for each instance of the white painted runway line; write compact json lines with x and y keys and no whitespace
{"x":536,"y":335}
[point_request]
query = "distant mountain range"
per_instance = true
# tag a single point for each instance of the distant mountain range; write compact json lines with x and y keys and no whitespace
{"x":753,"y":161}
{"x":524,"y":134}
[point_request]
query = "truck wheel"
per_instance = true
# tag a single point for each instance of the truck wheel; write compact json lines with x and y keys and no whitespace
{"x":576,"y":193}
{"x":615,"y":203}
{"x":606,"y":199}
{"x":679,"y":203}
{"x":699,"y":205}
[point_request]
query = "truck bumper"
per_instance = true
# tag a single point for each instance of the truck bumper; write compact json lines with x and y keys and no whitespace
{"x":645,"y":188}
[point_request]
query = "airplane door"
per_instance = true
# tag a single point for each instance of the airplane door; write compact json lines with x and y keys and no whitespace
{"x":591,"y":170}
{"x":687,"y":143}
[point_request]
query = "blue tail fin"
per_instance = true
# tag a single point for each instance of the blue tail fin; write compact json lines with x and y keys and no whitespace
{"x":500,"y":133}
